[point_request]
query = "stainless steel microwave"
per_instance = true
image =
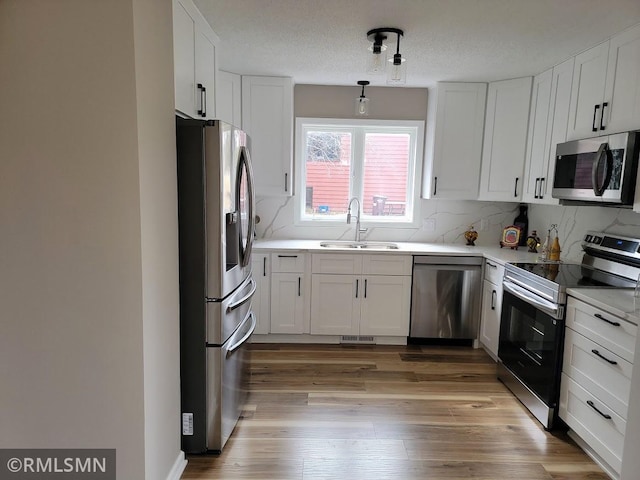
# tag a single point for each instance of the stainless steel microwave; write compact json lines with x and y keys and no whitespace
{"x":601,"y":170}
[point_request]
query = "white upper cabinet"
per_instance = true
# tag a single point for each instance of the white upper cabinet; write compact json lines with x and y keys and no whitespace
{"x":194,"y":53}
{"x":228,"y":98}
{"x":457,"y":153}
{"x":505,"y":140}
{"x":537,"y":146}
{"x":267,"y":117}
{"x":605,"y":97}
{"x":622,"y":89}
{"x":547,"y":127}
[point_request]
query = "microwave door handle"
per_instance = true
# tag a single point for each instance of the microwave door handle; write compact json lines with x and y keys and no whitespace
{"x":604,"y":153}
{"x":532,"y":299}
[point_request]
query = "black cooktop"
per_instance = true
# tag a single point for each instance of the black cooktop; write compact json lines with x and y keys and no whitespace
{"x":570,"y":275}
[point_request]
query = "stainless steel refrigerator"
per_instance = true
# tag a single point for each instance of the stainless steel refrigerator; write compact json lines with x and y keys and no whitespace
{"x":216,"y":232}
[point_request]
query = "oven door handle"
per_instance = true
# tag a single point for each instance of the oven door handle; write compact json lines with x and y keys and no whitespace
{"x":544,"y":305}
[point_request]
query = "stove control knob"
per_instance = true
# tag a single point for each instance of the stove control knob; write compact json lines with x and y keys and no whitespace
{"x":588,"y":238}
{"x":597,"y":240}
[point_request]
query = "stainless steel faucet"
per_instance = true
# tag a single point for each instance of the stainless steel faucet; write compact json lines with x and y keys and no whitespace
{"x":358,"y":229}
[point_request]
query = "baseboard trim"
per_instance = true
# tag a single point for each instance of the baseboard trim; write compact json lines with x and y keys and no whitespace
{"x":178,"y":467}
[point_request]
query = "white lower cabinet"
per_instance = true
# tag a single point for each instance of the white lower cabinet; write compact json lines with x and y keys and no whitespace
{"x":261,"y":301}
{"x":360,"y":295}
{"x":289,"y":293}
{"x":491,"y":307}
{"x":335,"y":310}
{"x":596,"y":379}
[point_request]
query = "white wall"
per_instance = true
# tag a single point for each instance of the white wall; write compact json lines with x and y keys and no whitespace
{"x":574,"y":221}
{"x":159,"y":235}
{"x":85,"y":305}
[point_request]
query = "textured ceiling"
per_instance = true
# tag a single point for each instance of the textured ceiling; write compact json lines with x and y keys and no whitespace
{"x":324,"y":41}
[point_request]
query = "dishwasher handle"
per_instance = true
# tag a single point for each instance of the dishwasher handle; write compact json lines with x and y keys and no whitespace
{"x":441,"y":261}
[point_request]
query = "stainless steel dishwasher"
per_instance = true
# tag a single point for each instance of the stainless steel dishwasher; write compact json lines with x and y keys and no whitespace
{"x":445,"y":299}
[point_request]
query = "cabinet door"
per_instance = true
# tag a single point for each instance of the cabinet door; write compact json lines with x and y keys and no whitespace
{"x":505,"y":140}
{"x":385,"y":306}
{"x":267,"y":117}
{"x":490,"y":322}
{"x":335,"y":304}
{"x":261,"y":301}
{"x":458,"y":141}
{"x":537,"y":145}
{"x":228,"y":98}
{"x":623,"y":80}
{"x":587,"y":92}
{"x":557,"y":126}
{"x":205,"y":75}
{"x":183,"y":59}
{"x":287,"y":303}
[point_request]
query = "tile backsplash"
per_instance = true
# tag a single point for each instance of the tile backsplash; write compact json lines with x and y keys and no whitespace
{"x":445,"y":221}
{"x":574,"y":221}
{"x":442,"y":222}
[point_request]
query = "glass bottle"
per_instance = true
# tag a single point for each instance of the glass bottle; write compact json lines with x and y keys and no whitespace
{"x":522,"y":221}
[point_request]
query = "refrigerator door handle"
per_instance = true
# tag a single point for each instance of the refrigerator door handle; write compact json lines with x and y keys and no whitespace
{"x":245,"y":161}
{"x":245,"y":298}
{"x":246,"y":336}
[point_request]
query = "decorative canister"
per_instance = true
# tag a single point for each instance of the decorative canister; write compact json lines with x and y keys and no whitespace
{"x":533,"y":241}
{"x":471,"y":235}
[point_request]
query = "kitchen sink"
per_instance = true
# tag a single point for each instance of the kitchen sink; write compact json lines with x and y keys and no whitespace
{"x":366,"y":245}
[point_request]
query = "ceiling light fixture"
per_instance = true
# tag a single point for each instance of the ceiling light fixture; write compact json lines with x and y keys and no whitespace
{"x":362,"y":102}
{"x":395,"y":68}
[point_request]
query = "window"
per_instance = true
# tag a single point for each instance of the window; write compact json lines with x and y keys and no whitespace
{"x":374,"y":161}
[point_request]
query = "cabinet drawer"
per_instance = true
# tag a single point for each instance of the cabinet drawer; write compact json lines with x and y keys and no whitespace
{"x":342,"y":264}
{"x":387,"y":264}
{"x":493,"y":272}
{"x":606,"y":329}
{"x":604,"y":435}
{"x":599,"y":370}
{"x":287,"y":262}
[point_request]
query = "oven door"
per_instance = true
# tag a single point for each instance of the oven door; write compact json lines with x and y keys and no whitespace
{"x":531,"y":346}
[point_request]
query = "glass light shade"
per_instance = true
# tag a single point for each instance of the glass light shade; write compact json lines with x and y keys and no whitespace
{"x":377,"y":62}
{"x":362,"y":106}
{"x":397,"y":72}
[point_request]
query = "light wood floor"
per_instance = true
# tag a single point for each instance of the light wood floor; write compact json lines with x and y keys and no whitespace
{"x":379,"y":412}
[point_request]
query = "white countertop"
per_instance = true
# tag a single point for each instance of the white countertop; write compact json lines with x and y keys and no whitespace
{"x":497,"y":254}
{"x":618,"y":301}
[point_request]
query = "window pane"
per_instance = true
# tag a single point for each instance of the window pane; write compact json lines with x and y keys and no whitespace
{"x":386,"y":167}
{"x":328,"y":169}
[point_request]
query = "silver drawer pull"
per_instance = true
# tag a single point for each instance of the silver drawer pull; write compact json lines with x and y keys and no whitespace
{"x":590,"y":403}
{"x":597,"y":353}
{"x":600,"y":317}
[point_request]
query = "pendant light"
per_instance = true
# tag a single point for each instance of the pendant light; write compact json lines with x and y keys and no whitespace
{"x":397,"y":70}
{"x":362,"y":102}
{"x":377,"y":62}
{"x":377,"y":59}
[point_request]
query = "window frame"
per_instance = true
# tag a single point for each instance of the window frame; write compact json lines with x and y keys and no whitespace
{"x":358,"y":129}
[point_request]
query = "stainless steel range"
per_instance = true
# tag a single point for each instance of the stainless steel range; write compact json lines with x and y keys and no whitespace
{"x":533,"y":309}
